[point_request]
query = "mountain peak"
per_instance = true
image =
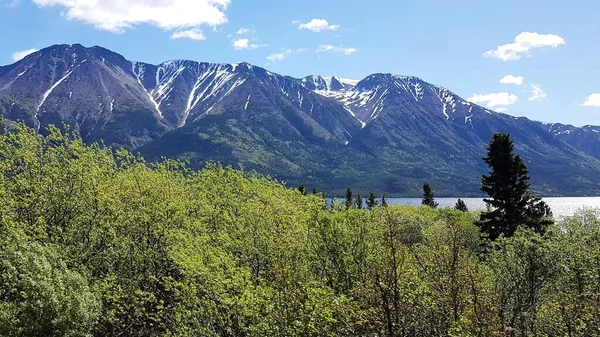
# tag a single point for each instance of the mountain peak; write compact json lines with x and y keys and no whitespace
{"x":323,"y":83}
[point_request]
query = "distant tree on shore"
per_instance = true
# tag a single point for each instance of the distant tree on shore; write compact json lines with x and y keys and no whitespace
{"x":359,"y":202}
{"x":372,"y":200}
{"x":510,"y":204}
{"x":428,"y":197}
{"x":349,"y":200}
{"x":302,"y":189}
{"x":461,"y":206}
{"x":384,"y":201}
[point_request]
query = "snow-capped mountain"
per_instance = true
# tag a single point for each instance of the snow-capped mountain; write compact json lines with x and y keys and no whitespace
{"x":91,"y":89}
{"x":585,"y":139}
{"x":325,"y":84}
{"x":367,"y":98}
{"x":103,"y":96}
{"x":387,"y":132}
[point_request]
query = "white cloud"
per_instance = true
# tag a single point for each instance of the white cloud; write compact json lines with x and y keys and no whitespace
{"x":118,"y":15}
{"x":537,"y":93}
{"x":592,"y":100}
{"x":333,"y":49}
{"x":193,"y":34}
{"x":279,"y":56}
{"x":244,"y":44}
{"x":316,"y":25}
{"x":17,"y":56}
{"x":524,"y":42}
{"x":494,"y":99}
{"x":244,"y":31}
{"x":510,"y":79}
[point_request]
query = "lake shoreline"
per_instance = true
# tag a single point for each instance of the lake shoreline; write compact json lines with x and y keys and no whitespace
{"x":561,"y":206}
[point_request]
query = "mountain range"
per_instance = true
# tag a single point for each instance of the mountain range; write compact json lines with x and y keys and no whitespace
{"x":385,"y":132}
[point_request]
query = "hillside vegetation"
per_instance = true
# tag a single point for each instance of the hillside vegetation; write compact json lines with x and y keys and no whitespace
{"x":96,"y":242}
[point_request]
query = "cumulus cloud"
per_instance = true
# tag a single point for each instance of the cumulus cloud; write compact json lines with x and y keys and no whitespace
{"x":494,"y":99}
{"x":244,"y":44}
{"x":193,"y":34}
{"x":524,"y":42}
{"x":333,"y":49}
{"x":592,"y":100}
{"x":118,"y":15}
{"x":537,"y":93}
{"x":316,"y":25}
{"x":510,"y":79}
{"x":279,"y":56}
{"x":19,"y":55}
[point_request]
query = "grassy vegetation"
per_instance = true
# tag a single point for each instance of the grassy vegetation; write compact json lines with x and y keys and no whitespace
{"x":100,"y":243}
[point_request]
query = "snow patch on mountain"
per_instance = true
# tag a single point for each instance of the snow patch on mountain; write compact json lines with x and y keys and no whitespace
{"x":54,"y":86}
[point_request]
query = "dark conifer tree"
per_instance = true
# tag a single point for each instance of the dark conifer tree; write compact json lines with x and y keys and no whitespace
{"x":314,"y":191}
{"x":384,"y":201}
{"x":302,"y":189}
{"x":461,"y":206}
{"x":349,"y":200}
{"x":510,"y":204}
{"x":359,"y":202}
{"x":428,"y":196}
{"x":372,"y":201}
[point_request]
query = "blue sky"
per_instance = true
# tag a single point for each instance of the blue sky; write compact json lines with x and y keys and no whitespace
{"x":550,"y":48}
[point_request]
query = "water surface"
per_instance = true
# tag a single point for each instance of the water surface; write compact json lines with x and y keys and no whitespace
{"x":561,"y":207}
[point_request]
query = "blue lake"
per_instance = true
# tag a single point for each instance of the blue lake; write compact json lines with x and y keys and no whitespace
{"x":561,"y":207}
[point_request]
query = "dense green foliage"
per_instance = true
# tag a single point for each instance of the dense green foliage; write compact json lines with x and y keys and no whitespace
{"x":511,"y":205}
{"x":100,"y":243}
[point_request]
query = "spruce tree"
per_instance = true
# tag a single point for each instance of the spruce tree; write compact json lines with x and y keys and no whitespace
{"x":359,"y":202}
{"x":383,"y":201}
{"x":428,"y":196}
{"x":510,"y":204}
{"x":372,"y":201}
{"x":349,"y":200}
{"x":461,"y":206}
{"x":314,"y":191}
{"x":302,"y":189}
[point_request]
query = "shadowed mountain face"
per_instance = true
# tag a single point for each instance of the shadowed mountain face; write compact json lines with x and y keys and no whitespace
{"x":385,"y":132}
{"x":585,"y":139}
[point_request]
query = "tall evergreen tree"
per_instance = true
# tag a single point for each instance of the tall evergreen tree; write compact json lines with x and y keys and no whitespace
{"x":428,"y":197}
{"x":349,"y":200}
{"x":2,"y":124}
{"x":302,"y":189}
{"x":372,"y":201}
{"x":384,"y":201}
{"x":461,"y":206}
{"x":314,"y":191}
{"x":359,"y":202}
{"x":510,"y":204}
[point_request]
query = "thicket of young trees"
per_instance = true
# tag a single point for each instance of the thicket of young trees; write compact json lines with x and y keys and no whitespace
{"x":100,"y":243}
